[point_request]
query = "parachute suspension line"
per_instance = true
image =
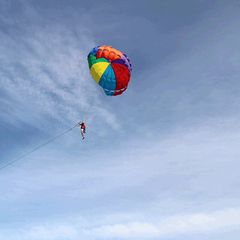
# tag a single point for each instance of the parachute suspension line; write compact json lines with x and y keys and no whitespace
{"x":86,"y":114}
{"x":37,"y":148}
{"x":86,"y":108}
{"x":85,"y":96}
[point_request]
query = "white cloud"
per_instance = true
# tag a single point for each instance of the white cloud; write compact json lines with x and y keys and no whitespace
{"x":182,"y":224}
{"x":110,"y":118}
{"x":52,"y":232}
{"x":129,"y":226}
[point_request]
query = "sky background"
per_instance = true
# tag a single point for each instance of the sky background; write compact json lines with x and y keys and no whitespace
{"x":161,"y":161}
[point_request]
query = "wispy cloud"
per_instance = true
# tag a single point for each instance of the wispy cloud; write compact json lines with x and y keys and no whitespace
{"x":44,"y":67}
{"x":182,"y":224}
{"x":53,"y":232}
{"x":166,"y":227}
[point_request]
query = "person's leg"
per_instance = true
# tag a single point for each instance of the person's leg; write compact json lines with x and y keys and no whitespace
{"x":82,"y":130}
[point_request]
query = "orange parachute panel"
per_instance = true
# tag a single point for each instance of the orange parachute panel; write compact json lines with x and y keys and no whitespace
{"x":109,"y":53}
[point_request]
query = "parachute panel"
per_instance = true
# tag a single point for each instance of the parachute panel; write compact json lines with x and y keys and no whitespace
{"x":98,"y":69}
{"x":108,"y":79}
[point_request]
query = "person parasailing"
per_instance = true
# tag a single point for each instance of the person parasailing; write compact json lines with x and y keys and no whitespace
{"x":82,"y":129}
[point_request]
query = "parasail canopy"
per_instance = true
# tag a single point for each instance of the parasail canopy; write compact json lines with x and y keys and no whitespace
{"x":110,"y":68}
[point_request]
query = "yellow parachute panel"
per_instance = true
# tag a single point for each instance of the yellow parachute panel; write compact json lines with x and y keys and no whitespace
{"x":98,"y":69}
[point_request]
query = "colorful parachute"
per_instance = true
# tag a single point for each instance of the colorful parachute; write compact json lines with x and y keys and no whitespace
{"x":110,"y":68}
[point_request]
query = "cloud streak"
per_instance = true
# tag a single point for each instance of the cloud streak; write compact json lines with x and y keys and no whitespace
{"x":182,"y":224}
{"x":45,"y":68}
{"x":168,"y":227}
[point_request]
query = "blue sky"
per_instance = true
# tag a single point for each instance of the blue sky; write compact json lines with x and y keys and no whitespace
{"x":161,"y":161}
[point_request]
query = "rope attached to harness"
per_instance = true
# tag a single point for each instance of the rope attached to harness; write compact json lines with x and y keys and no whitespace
{"x":38,"y":147}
